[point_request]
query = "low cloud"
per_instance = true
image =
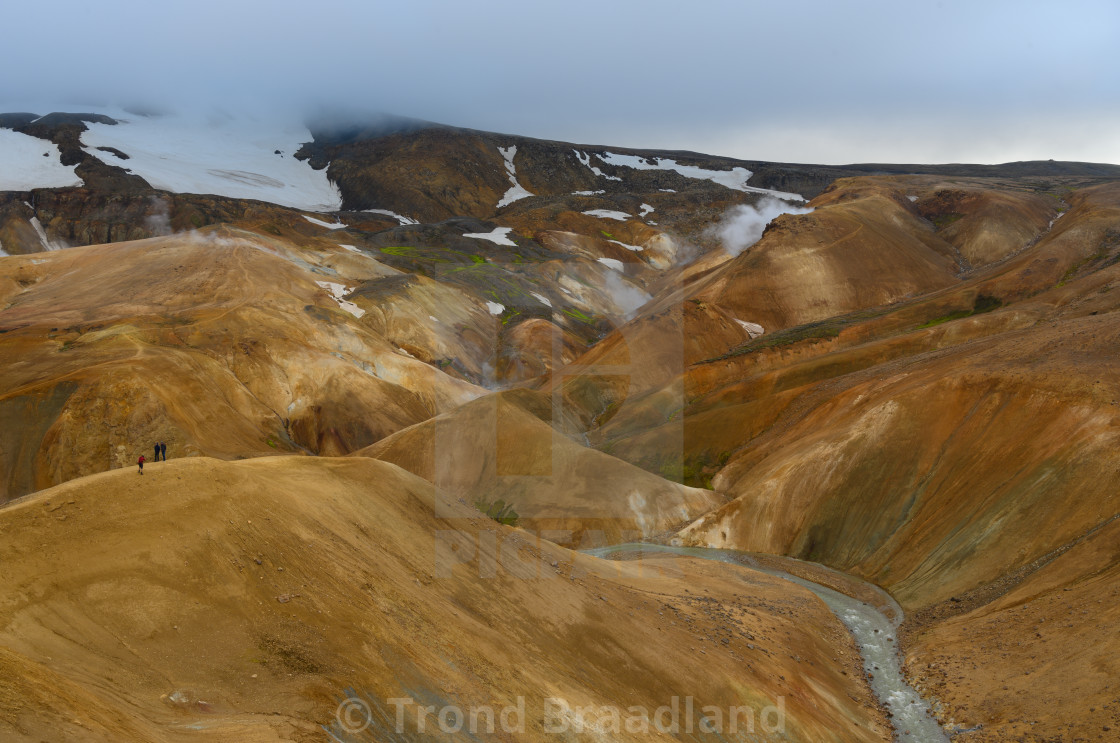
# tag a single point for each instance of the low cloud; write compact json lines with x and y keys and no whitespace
{"x":979,"y":103}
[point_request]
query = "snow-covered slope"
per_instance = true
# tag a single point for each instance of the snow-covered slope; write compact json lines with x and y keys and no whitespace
{"x":236,"y":157}
{"x":27,"y":162}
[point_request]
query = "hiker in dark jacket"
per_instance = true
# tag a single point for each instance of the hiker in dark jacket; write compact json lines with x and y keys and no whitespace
{"x":140,"y":462}
{"x":156,"y":458}
{"x":163,"y":450}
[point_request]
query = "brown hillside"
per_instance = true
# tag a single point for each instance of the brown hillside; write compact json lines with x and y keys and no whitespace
{"x":914,"y":383}
{"x":860,"y":247}
{"x":495,"y":449}
{"x":244,"y":601}
{"x":219,"y":343}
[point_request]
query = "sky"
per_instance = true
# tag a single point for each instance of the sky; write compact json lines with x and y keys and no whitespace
{"x":906,"y":81}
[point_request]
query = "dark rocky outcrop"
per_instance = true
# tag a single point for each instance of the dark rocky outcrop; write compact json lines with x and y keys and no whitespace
{"x":114,"y":151}
{"x":16,"y":120}
{"x":88,"y":216}
{"x":65,"y":130}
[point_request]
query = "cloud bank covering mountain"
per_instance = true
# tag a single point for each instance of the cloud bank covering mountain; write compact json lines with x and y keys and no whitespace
{"x":830,"y":83}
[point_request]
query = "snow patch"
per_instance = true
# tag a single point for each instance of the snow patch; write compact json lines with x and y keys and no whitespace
{"x":515,"y":191}
{"x":608,"y":214}
{"x":495,"y":308}
{"x":399,"y":217}
{"x":736,"y":178}
{"x":646,"y":211}
{"x":542,"y":299}
{"x":912,"y":198}
{"x":611,"y":263}
{"x":25,"y":167}
{"x":635,"y":248}
{"x":668,"y":190}
{"x":216,"y":154}
{"x":753,"y":329}
{"x":587,"y":193}
{"x":337,"y":292}
{"x":499,"y":236}
{"x":584,"y":158}
{"x":328,"y":225}
{"x":433,"y":318}
{"x":46,"y":242}
{"x":351,"y":248}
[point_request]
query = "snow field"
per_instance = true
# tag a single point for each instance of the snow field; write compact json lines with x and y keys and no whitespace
{"x":25,"y":167}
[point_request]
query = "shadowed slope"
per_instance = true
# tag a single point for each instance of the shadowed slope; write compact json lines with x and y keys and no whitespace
{"x":878,"y":480}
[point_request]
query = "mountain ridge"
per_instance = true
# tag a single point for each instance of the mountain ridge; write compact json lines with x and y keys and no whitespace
{"x":908,"y":377}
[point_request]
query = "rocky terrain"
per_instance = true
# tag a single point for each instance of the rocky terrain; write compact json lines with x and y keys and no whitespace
{"x":905,"y":373}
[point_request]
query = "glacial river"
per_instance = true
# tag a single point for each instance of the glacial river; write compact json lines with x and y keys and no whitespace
{"x":873,"y":627}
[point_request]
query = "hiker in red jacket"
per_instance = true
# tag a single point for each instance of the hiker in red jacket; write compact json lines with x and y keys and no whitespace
{"x":141,"y":463}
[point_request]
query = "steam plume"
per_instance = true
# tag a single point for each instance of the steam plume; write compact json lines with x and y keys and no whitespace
{"x":743,"y":225}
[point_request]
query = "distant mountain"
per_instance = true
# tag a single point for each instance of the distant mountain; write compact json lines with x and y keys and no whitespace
{"x":904,"y":372}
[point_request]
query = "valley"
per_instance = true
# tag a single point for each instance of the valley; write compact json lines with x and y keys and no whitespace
{"x":416,"y":381}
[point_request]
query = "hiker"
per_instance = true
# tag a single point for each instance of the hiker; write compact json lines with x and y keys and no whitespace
{"x":140,"y":462}
{"x":156,"y":459}
{"x":163,"y":450}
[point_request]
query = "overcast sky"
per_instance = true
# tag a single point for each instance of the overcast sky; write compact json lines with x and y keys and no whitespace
{"x":826,"y":82}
